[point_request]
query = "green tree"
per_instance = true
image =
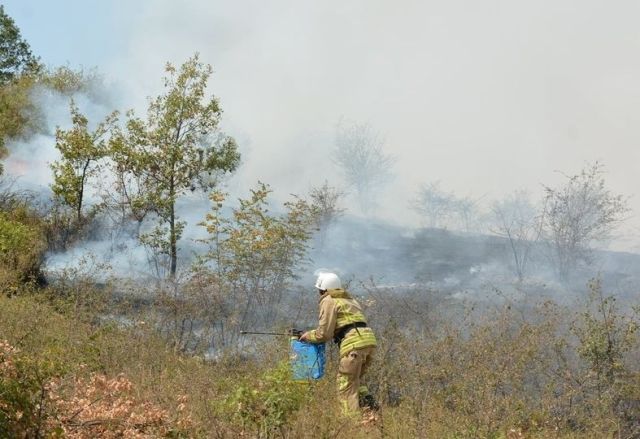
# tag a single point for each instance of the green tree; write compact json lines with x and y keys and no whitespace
{"x":20,"y":73}
{"x":242,"y":281}
{"x":15,"y":60}
{"x":14,"y":104}
{"x":178,"y":149}
{"x":20,"y":115}
{"x":15,"y":54}
{"x":81,"y":150}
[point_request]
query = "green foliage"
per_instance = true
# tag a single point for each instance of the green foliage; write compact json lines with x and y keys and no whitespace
{"x":81,"y":154}
{"x":16,"y":107}
{"x":243,"y":279}
{"x":15,"y":60}
{"x":265,"y":405}
{"x":20,"y":116}
{"x":21,"y":248}
{"x":177,"y":149}
{"x":40,"y":345}
{"x":67,"y":81}
{"x":15,"y":54}
{"x":158,"y":240}
{"x":20,"y":72}
{"x":81,"y":151}
{"x":253,"y":258}
{"x":13,"y":237}
{"x":255,"y":238}
{"x":605,"y":337}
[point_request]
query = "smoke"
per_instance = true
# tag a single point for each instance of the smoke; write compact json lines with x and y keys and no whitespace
{"x":29,"y":163}
{"x":494,"y":97}
{"x":30,"y":158}
{"x":487,"y":98}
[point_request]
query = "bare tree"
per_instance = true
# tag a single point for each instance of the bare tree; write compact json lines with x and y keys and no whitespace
{"x":518,"y":220}
{"x":443,"y":209}
{"x":580,"y":213}
{"x":365,"y":166}
{"x":434,"y":205}
{"x":467,"y":214}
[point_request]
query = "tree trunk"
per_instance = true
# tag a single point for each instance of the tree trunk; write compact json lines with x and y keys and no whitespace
{"x":173,"y":243}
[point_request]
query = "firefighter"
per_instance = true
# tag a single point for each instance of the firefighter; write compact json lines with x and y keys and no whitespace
{"x":342,"y":320}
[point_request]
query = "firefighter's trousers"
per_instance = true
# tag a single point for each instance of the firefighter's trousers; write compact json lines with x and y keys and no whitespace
{"x":350,"y":388}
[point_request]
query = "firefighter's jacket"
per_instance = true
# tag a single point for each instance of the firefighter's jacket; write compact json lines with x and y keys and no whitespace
{"x":338,"y":309}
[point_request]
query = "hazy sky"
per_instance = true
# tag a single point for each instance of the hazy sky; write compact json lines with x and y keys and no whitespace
{"x":486,"y":96}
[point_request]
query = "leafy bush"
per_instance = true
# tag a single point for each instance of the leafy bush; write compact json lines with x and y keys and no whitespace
{"x":21,"y":250}
{"x":264,"y":406}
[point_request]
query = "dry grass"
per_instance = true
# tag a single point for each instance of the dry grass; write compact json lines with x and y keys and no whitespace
{"x":497,"y":376}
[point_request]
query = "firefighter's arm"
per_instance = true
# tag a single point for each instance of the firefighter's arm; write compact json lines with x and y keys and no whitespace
{"x":326,"y":325}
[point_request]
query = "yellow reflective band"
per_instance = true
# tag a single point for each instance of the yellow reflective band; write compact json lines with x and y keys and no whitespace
{"x":345,"y":317}
{"x":357,"y":339}
{"x":343,"y":382}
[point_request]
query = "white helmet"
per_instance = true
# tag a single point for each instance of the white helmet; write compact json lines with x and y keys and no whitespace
{"x":328,"y":281}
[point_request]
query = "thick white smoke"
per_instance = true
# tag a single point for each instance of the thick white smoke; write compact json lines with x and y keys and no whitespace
{"x":486,"y":97}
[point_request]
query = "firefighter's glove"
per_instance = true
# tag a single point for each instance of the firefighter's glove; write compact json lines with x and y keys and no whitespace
{"x":295,"y":332}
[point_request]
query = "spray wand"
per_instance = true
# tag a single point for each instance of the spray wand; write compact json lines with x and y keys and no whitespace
{"x":290,"y":332}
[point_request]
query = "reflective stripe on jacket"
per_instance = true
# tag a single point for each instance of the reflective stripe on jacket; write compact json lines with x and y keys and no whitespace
{"x":338,"y":309}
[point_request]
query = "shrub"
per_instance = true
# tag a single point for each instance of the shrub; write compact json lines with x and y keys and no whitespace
{"x":21,"y":250}
{"x":264,"y":406}
{"x":108,"y":408}
{"x":23,"y":390}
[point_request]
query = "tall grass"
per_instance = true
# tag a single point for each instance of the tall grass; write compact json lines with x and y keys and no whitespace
{"x":500,"y":373}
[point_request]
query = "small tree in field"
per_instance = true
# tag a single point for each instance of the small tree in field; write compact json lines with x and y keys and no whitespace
{"x":81,"y":150}
{"x":325,"y":200}
{"x":579,"y":214}
{"x":518,"y":220}
{"x":176,"y":150}
{"x":365,"y":166}
{"x":443,"y":209}
{"x":434,"y":205}
{"x":253,"y":258}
